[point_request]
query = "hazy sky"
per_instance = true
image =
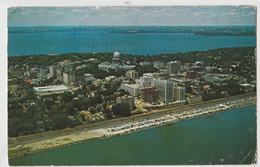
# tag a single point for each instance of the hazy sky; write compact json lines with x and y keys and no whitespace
{"x":133,"y":16}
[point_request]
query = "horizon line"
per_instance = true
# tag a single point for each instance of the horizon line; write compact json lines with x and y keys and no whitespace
{"x":134,"y":26}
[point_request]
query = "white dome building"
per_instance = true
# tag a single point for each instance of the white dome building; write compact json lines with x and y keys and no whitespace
{"x":116,"y":57}
{"x":198,"y":63}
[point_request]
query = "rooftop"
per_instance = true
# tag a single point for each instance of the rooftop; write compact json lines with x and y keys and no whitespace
{"x":51,"y":88}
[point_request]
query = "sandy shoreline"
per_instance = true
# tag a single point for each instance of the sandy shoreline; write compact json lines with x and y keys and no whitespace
{"x":125,"y":127}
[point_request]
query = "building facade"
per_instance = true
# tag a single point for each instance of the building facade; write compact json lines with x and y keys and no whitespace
{"x":165,"y":90}
{"x":126,"y":100}
{"x":145,"y":81}
{"x":149,"y":94}
{"x":49,"y":90}
{"x":179,"y":93}
{"x":132,"y":89}
{"x":158,"y":64}
{"x":191,"y":75}
{"x":53,"y":71}
{"x":88,"y":77}
{"x":173,"y":67}
{"x":132,"y":74}
{"x":69,"y":77}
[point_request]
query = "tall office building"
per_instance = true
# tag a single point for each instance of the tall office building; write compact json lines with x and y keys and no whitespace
{"x":41,"y":73}
{"x":165,"y":89}
{"x":52,"y":71}
{"x":173,"y":67}
{"x":179,"y":93}
{"x":69,"y":76}
{"x":59,"y":74}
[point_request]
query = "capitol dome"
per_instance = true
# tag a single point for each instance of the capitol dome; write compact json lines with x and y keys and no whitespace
{"x":116,"y":54}
{"x":198,"y":63}
{"x":116,"y":57}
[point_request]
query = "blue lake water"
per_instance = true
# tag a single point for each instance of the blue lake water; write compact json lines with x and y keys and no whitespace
{"x":222,"y":138}
{"x":131,"y":40}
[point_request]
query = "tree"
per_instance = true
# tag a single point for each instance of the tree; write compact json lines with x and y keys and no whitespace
{"x":58,"y":121}
{"x":66,"y":96}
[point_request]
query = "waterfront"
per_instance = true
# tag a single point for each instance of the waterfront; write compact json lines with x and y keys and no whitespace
{"x":226,"y":137}
{"x":44,"y":40}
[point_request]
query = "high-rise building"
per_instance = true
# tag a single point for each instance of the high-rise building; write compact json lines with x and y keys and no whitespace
{"x":53,"y":71}
{"x":149,"y":94}
{"x":132,"y":74}
{"x":79,"y":76}
{"x":41,"y":73}
{"x":59,"y":73}
{"x":165,"y":90}
{"x":126,"y":100}
{"x":179,"y":93}
{"x":69,"y":76}
{"x":173,"y":67}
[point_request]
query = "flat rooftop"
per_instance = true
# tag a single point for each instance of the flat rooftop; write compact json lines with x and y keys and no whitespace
{"x":51,"y":88}
{"x":135,"y":86}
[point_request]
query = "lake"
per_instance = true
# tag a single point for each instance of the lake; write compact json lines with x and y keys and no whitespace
{"x":223,"y":138}
{"x":128,"y":40}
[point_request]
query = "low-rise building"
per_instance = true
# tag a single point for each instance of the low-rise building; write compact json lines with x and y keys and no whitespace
{"x":132,"y":74}
{"x":145,"y":81}
{"x":132,"y":89}
{"x":49,"y":90}
{"x":110,"y":78}
{"x":88,"y":77}
{"x":145,"y":63}
{"x":181,"y":82}
{"x":218,"y":79}
{"x":191,"y":75}
{"x":247,"y":88}
{"x":194,"y":99}
{"x":158,"y":64}
{"x":126,"y":100}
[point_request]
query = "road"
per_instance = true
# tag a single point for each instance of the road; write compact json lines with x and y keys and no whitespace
{"x":22,"y":140}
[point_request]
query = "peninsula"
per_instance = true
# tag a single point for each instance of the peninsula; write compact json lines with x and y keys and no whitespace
{"x":55,"y":100}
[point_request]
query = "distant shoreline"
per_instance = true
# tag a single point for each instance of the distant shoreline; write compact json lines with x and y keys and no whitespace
{"x":89,"y":135}
{"x":126,"y":54}
{"x":87,"y":37}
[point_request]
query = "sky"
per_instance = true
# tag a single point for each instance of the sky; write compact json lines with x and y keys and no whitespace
{"x":132,"y":16}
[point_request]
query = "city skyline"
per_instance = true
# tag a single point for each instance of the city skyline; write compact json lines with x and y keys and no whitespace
{"x":133,"y":16}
